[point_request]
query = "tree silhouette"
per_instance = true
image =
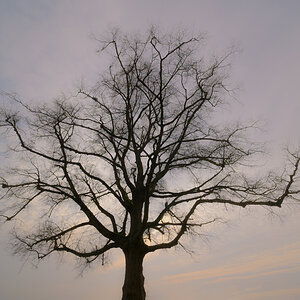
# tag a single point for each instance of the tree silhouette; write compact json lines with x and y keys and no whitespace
{"x":131,"y":162}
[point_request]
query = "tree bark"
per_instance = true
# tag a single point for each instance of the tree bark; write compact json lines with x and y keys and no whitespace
{"x":133,"y":288}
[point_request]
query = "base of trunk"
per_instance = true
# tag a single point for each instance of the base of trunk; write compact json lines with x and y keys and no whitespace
{"x":133,"y":288}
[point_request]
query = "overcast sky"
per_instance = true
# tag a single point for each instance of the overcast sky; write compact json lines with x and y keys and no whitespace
{"x":46,"y":49}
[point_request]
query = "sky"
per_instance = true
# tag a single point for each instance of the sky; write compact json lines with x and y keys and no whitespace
{"x":47,"y":49}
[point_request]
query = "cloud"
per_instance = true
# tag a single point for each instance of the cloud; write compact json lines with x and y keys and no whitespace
{"x":267,"y":263}
{"x":273,"y":294}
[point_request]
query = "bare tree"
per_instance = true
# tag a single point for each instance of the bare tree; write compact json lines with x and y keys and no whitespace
{"x":131,"y":162}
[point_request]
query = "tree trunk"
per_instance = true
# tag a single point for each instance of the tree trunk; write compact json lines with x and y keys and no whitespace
{"x":133,"y":288}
